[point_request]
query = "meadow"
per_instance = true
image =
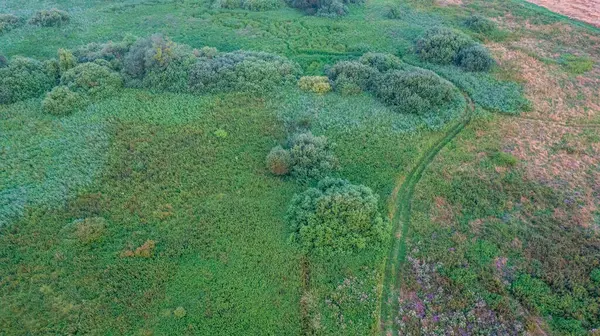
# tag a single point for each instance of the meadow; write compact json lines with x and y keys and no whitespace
{"x":185,"y":167}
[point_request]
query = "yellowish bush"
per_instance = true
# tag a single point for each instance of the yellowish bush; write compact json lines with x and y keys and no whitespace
{"x":316,"y":84}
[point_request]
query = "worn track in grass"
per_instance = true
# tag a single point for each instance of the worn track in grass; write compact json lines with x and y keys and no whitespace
{"x":402,"y":197}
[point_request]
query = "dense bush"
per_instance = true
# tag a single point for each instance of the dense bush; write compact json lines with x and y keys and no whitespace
{"x":415,"y":91}
{"x":24,"y":78}
{"x":330,"y":8}
{"x":3,"y":61}
{"x":316,"y":84}
{"x":242,"y":71}
{"x":381,"y":61}
{"x":480,"y":24}
{"x":62,"y":101}
{"x":311,"y":156}
{"x":307,"y":157}
{"x":9,"y":22}
{"x":66,"y":60}
{"x":352,"y":77}
{"x":336,"y":217}
{"x":279,"y":161}
{"x":92,"y":79}
{"x":50,"y":18}
{"x":110,"y":51}
{"x":441,"y":45}
{"x":158,"y":63}
{"x":253,"y":5}
{"x":475,"y":58}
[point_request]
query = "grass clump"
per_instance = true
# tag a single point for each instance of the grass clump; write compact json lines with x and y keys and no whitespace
{"x":445,"y":46}
{"x":416,"y":91}
{"x":307,"y":157}
{"x":475,"y":58}
{"x":242,"y":71}
{"x":24,"y":78}
{"x":62,"y":101}
{"x":50,"y":18}
{"x":336,"y":217}
{"x":9,"y":22}
{"x":576,"y":65}
{"x":351,"y":77}
{"x":316,"y":84}
{"x":93,"y":80}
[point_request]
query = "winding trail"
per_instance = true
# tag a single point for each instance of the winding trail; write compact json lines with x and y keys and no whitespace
{"x":402,"y":197}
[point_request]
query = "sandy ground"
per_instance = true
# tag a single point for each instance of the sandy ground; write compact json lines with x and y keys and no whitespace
{"x":584,"y":10}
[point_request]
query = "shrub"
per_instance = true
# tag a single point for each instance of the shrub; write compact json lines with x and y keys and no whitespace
{"x":242,"y":71}
{"x":480,"y":24}
{"x":66,"y":60}
{"x":158,"y":63}
{"x":311,"y":156}
{"x":110,"y":51}
{"x":90,"y":230}
{"x":24,"y":78}
{"x":279,"y":161}
{"x":3,"y":61}
{"x":316,"y":84}
{"x":394,"y":13}
{"x":50,"y":18}
{"x":352,"y":76}
{"x":330,"y":8}
{"x":9,"y":22}
{"x":415,"y":91}
{"x":253,"y":5}
{"x":336,"y":217}
{"x":62,"y":101}
{"x":475,"y":58}
{"x":381,"y":61}
{"x":92,"y":79}
{"x":206,"y":52}
{"x":441,"y":45}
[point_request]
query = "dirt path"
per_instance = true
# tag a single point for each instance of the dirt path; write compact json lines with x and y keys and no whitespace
{"x":402,"y":197}
{"x":584,"y":10}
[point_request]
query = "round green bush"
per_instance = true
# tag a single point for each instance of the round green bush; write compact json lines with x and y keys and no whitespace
{"x":66,"y":60}
{"x":475,"y":58}
{"x":92,"y":79}
{"x":347,"y":75}
{"x":158,"y":63}
{"x":279,"y":161}
{"x":24,"y":78}
{"x":9,"y":22}
{"x":337,"y":217}
{"x":62,"y":101}
{"x":480,"y":24}
{"x":382,"y":62}
{"x":416,"y":91}
{"x":311,"y":156}
{"x":242,"y":71}
{"x":441,"y":45}
{"x":50,"y":18}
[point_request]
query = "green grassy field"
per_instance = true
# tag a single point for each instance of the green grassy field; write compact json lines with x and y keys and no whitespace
{"x":149,"y":212}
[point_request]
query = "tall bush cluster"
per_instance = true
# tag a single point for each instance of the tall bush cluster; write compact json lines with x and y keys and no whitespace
{"x":25,"y":78}
{"x":253,"y":5}
{"x":446,"y":46}
{"x":406,"y":89}
{"x":328,"y":8}
{"x":50,"y":18}
{"x":9,"y":22}
{"x":306,"y":157}
{"x":337,"y":217}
